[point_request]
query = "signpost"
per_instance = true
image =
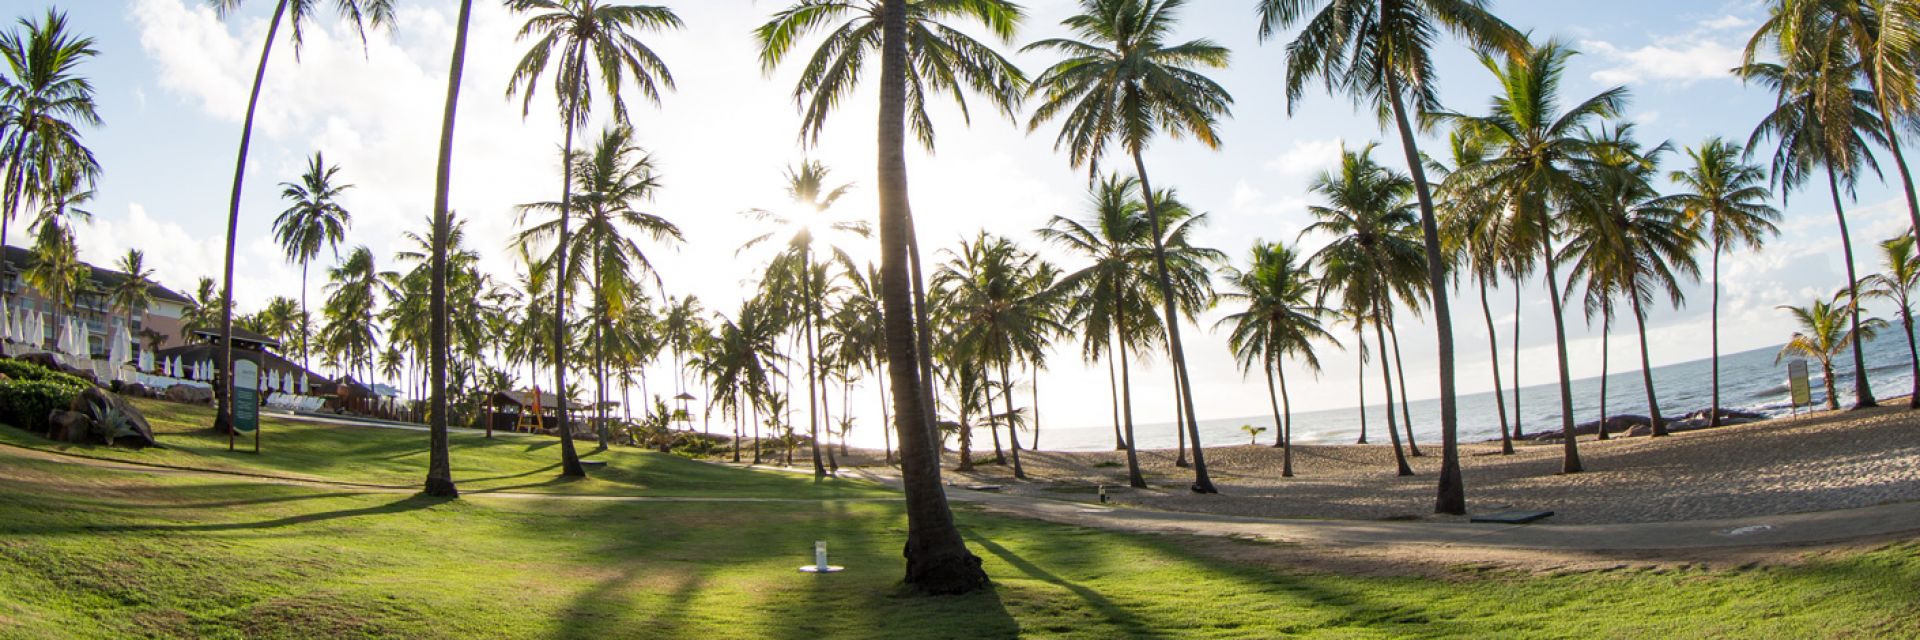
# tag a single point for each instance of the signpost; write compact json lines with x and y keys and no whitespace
{"x":1798,"y":386}
{"x":246,"y":399}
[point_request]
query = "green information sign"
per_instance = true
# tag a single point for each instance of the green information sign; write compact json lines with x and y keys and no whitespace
{"x":246,"y":396}
{"x":1797,"y":383}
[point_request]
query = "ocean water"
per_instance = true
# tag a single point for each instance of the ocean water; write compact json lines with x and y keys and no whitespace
{"x":1749,"y":381}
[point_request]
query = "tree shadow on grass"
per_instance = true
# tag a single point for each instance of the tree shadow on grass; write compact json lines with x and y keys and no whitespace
{"x":403,"y":505}
{"x":550,"y":482}
{"x":1131,"y":624}
{"x":538,"y":471}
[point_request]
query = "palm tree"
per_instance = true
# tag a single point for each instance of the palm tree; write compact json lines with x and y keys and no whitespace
{"x":43,"y":103}
{"x":1535,"y":155}
{"x":998,"y":311}
{"x":1897,"y":285}
{"x":1881,"y":35}
{"x":587,"y":35}
{"x":1109,"y":300}
{"x":610,"y":182}
{"x":315,"y":220}
{"x":1727,"y":197}
{"x":1821,"y":122}
{"x":1380,"y":52}
{"x":279,"y":320}
{"x":1122,"y":83}
{"x":359,"y":13}
{"x":203,"y":314}
{"x":811,"y":198}
{"x":55,"y":269}
{"x":1630,"y":240}
{"x":439,"y":481}
{"x":1474,"y":226}
{"x":133,"y":293}
{"x":916,"y":50}
{"x":863,"y":334}
{"x":1374,"y":255}
{"x":1824,"y":334}
{"x":355,"y":288}
{"x":1281,"y":320}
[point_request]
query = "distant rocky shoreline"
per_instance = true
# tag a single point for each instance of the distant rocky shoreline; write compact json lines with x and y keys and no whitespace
{"x":1629,"y":425}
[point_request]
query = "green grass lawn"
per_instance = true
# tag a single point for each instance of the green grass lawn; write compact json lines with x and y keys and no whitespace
{"x":89,"y":553}
{"x":396,"y":457}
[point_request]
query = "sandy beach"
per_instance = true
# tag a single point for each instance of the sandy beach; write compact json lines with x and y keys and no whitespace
{"x":1817,"y":462}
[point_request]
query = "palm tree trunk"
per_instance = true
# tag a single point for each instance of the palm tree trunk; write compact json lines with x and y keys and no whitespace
{"x":993,"y":426}
{"x":1400,"y":378}
{"x":737,"y":432}
{"x":1286,"y":433}
{"x":1177,"y":352}
{"x":223,"y":416}
{"x":1713,"y":416}
{"x":599,"y":350}
{"x":1518,"y":432}
{"x":1386,"y":379}
{"x":1646,"y":369}
{"x":1606,"y":335}
{"x":1493,"y":346}
{"x":306,"y":328}
{"x":1451,"y":495}
{"x":938,"y":561}
{"x":1273,"y":400}
{"x":1360,"y":339}
{"x":569,"y":459}
{"x":1862,"y":391}
{"x":1892,"y":135}
{"x":1913,"y":352}
{"x":439,"y":463}
{"x":1013,"y":432}
{"x":1826,"y":372}
{"x":814,"y":399}
{"x":756,"y":434}
{"x":886,"y":435}
{"x":1134,"y":479}
{"x":1113,"y":389}
{"x":1036,"y":410}
{"x":1179,"y":435}
{"x":1571,"y":462}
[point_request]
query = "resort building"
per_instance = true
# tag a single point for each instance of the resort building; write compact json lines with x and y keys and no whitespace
{"x":39,"y":323}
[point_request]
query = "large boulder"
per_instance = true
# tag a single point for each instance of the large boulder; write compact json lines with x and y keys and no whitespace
{"x":69,"y":426}
{"x":45,"y":360}
{"x":189,"y":394}
{"x":135,"y":390}
{"x":131,"y":427}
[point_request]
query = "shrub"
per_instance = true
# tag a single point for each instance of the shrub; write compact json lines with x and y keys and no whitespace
{"x":26,"y":403}
{"x":23,"y":370}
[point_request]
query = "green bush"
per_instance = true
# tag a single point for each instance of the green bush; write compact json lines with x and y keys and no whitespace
{"x":26,"y":403}
{"x":22,"y":370}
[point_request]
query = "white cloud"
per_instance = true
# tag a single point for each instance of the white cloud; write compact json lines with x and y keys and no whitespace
{"x":1726,"y":23}
{"x":1306,"y":157}
{"x":1678,"y":62}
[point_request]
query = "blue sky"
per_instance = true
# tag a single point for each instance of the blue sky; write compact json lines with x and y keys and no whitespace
{"x":172,"y":82}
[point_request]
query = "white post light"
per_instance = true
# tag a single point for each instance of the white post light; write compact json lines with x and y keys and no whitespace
{"x":820,"y":560}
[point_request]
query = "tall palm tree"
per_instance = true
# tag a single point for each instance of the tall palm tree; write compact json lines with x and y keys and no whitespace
{"x":1474,"y":226}
{"x":1109,"y":300}
{"x":918,"y":50}
{"x":439,"y":481}
{"x":611,"y":182}
{"x":998,"y":311}
{"x":1370,"y":212}
{"x":1121,"y":84}
{"x":1882,"y":35}
{"x":43,"y":103}
{"x":1626,"y":240}
{"x":863,"y":336}
{"x":1280,"y":320}
{"x":355,"y":289}
{"x":813,"y":199}
{"x":1821,"y":123}
{"x":1898,"y":284}
{"x":133,"y":294}
{"x":55,"y":269}
{"x":1536,"y":154}
{"x":1726,"y":197}
{"x":1824,"y":333}
{"x":584,"y":36}
{"x":1381,"y":52}
{"x":296,"y":13}
{"x":314,"y":220}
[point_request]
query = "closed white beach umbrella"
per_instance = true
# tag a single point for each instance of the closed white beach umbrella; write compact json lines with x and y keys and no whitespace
{"x":304,"y":389}
{"x":6,"y":328}
{"x":146,"y":360}
{"x":121,"y":348}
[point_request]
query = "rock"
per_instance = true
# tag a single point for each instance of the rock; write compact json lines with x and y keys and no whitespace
{"x":45,"y":360}
{"x":69,"y":426}
{"x":189,"y":394}
{"x":136,"y":390}
{"x":96,"y":403}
